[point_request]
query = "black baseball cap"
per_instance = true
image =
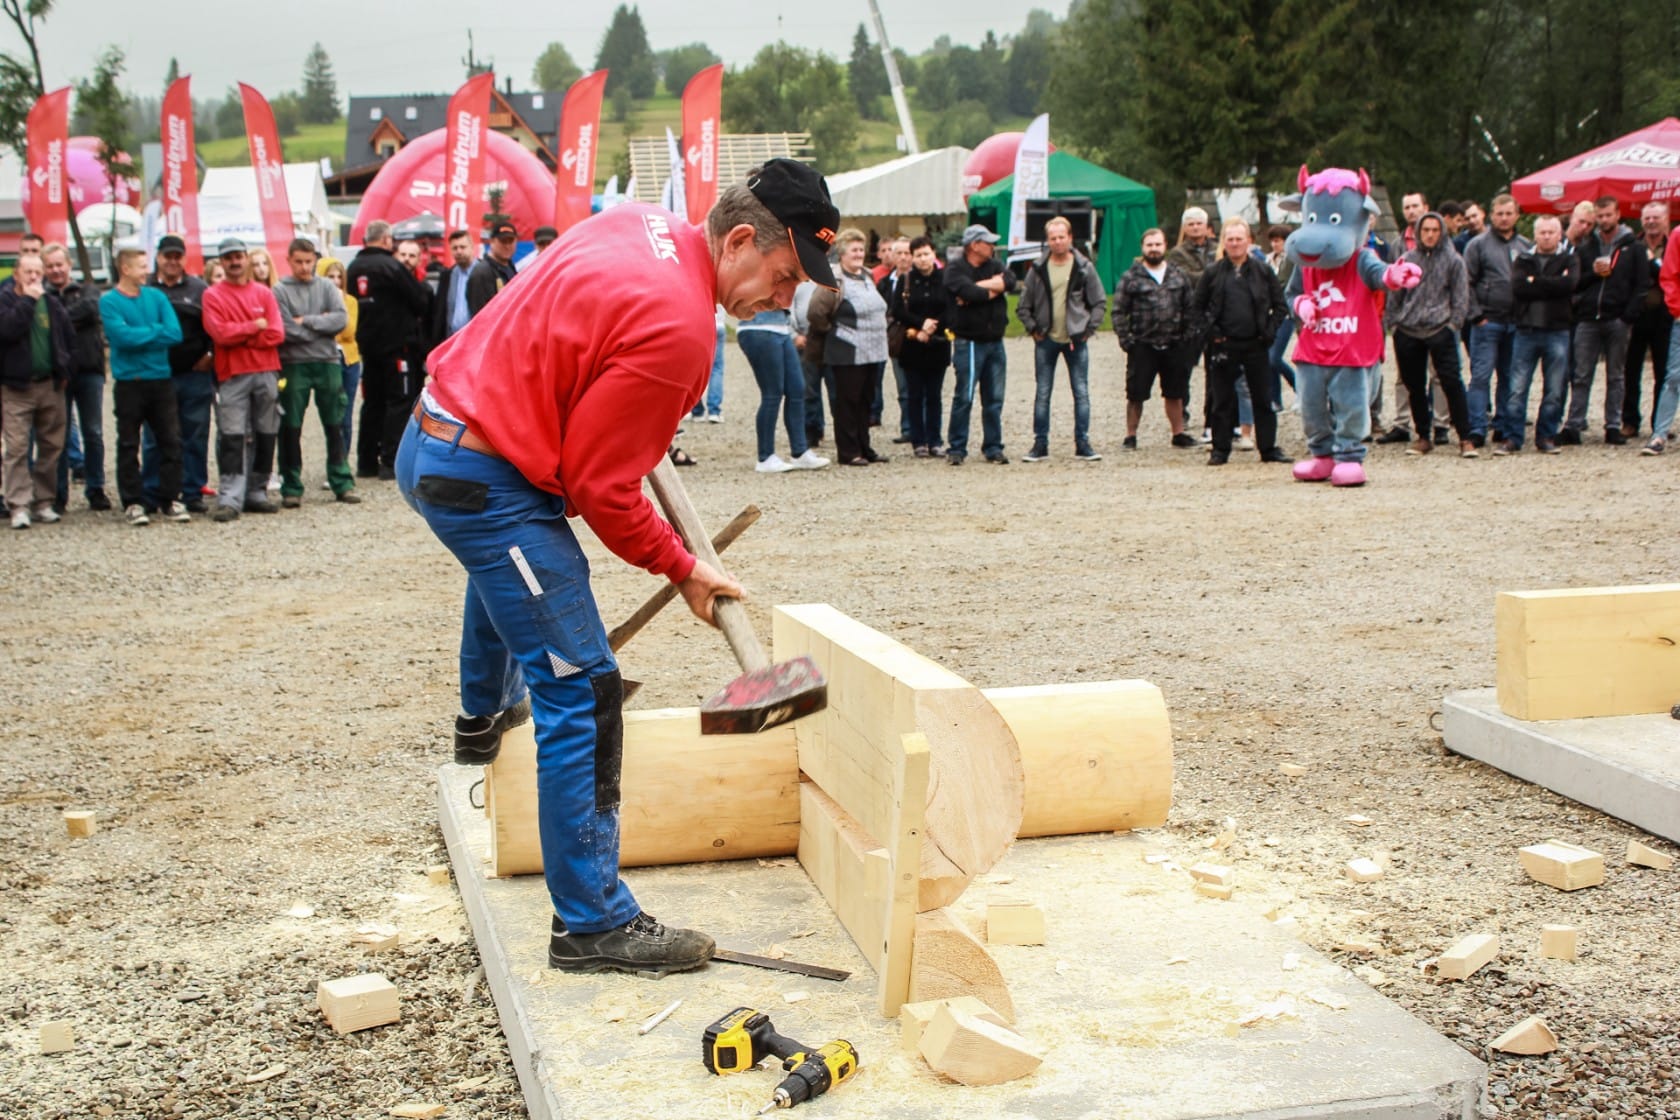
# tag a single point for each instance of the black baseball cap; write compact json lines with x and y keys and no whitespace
{"x":543,"y":234}
{"x":503,"y":229}
{"x":799,"y":199}
{"x":170,"y":243}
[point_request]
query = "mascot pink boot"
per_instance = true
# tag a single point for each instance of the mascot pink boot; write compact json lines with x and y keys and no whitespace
{"x":1333,"y":296}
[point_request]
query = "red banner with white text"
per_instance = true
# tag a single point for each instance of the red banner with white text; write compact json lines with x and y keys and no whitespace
{"x":180,"y":173}
{"x":702,"y":118}
{"x":580,"y":125}
{"x":47,"y":136}
{"x":463,"y":155}
{"x":270,"y":169}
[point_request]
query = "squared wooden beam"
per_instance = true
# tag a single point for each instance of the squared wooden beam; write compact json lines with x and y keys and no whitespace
{"x":1595,"y":651}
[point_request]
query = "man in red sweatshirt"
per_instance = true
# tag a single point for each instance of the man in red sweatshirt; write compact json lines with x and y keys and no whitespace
{"x":243,"y":320}
{"x":552,"y":402}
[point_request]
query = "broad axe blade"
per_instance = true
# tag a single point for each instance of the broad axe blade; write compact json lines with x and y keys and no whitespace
{"x":764,"y":698}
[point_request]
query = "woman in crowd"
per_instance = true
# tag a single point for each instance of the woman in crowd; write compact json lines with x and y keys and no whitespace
{"x":214,"y":273}
{"x":262,"y":268}
{"x":921,"y":308}
{"x":333,"y":270}
{"x":767,"y":341}
{"x":856,"y":349}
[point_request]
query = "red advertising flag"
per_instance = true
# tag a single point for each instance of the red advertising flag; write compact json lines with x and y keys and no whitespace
{"x":270,"y":169}
{"x":580,"y":124}
{"x":180,"y":173}
{"x":463,"y":154}
{"x":702,"y":116}
{"x":47,"y":135}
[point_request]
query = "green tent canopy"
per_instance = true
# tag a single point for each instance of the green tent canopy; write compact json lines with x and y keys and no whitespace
{"x":1127,"y":208}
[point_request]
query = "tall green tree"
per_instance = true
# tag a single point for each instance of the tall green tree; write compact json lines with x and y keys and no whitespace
{"x":171,"y":75}
{"x":21,"y":83}
{"x":318,"y":100}
{"x":625,"y":52}
{"x":680,"y":64}
{"x":101,"y":99}
{"x":230,"y":115}
{"x":790,"y":89}
{"x":866,"y":74}
{"x":555,"y":71}
{"x":1029,"y":73}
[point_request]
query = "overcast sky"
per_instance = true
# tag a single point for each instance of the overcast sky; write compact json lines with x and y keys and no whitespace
{"x":383,"y":46}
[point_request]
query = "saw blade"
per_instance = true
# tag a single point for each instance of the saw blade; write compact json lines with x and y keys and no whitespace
{"x":801,"y":969}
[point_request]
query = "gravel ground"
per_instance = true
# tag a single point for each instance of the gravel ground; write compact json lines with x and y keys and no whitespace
{"x":257,"y":712}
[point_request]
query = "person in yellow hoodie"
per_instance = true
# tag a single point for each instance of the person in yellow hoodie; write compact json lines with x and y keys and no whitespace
{"x":333,"y":270}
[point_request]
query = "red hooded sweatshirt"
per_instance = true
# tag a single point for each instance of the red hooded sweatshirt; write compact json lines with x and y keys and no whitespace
{"x":580,"y":371}
{"x":231,"y":312}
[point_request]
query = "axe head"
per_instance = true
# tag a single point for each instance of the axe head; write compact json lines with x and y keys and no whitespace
{"x":763,"y":698}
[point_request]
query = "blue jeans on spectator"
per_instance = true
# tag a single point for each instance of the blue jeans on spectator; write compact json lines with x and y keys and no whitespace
{"x":1281,"y":369}
{"x":1245,"y":403}
{"x":1078,"y":358}
{"x":1549,"y":349}
{"x":1669,"y":399}
{"x":781,"y":384}
{"x":352,"y":382}
{"x":713,"y":405}
{"x":816,"y":377}
{"x":982,"y":366}
{"x":195,"y":393}
{"x":530,"y":621}
{"x":86,"y":391}
{"x":1335,"y":409}
{"x":1490,"y":353}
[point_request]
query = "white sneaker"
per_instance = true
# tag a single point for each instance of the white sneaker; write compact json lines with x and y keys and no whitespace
{"x":20,"y":519}
{"x":47,"y":515}
{"x":178,"y":512}
{"x":714,"y":418}
{"x":137,"y":515}
{"x":1244,"y":444}
{"x":1207,"y":436}
{"x":775,"y":464}
{"x":809,"y":461}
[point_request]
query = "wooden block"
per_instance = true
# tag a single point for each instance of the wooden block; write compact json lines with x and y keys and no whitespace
{"x":57,"y":1037}
{"x":418,"y":1110}
{"x":1531,"y":1036}
{"x":1641,"y":856}
{"x":948,"y":961}
{"x":1568,"y":867}
{"x":356,"y":1003}
{"x":438,"y":875}
{"x":1359,"y":820}
{"x":1215,"y":890}
{"x":1559,"y":943}
{"x":1596,"y":651}
{"x":1363,"y":870}
{"x":878,"y":691}
{"x":1292,"y":769}
{"x":1214,"y":873}
{"x":913,"y":1018}
{"x":1014,"y":922}
{"x":970,"y":1050}
{"x":1467,"y":955}
{"x":81,"y":823}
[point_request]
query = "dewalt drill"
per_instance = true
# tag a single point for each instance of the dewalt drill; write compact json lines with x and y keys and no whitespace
{"x":745,"y":1037}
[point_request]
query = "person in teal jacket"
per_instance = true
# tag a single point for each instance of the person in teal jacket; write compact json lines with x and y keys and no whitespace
{"x":140,"y":327}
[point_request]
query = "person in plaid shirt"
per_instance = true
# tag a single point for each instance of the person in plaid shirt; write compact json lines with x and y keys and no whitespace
{"x":1154,"y":318}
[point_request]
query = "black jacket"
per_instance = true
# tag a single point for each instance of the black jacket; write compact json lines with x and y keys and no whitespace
{"x":81,"y":303}
{"x":393,"y":303}
{"x":1616,"y":296}
{"x":17,"y":317}
{"x":487,"y":278}
{"x":918,"y":299}
{"x":1540,"y":289}
{"x":187,"y":298}
{"x":1264,"y":291}
{"x":975,"y":314}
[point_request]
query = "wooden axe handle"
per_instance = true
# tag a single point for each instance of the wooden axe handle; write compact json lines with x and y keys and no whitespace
{"x":731,"y":616}
{"x":631,"y":626}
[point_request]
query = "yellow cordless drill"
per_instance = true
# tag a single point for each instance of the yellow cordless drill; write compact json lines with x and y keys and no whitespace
{"x":745,"y":1037}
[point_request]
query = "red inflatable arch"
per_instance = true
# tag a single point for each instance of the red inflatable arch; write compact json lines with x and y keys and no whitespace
{"x":994,"y":159}
{"x":411,"y":182}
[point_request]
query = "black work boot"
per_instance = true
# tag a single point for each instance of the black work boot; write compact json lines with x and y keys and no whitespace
{"x":478,"y":739}
{"x":641,"y":945}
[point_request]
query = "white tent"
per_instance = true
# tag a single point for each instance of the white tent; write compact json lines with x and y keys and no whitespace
{"x":899,"y":195}
{"x":228,"y":207}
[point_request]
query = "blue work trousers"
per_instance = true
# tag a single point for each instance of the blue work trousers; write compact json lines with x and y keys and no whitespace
{"x":982,"y":366}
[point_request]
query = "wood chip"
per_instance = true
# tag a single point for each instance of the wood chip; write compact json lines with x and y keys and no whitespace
{"x":1371,"y":976}
{"x":1281,"y":1008}
{"x":1359,"y":820}
{"x":1291,"y":961}
{"x":775,"y":952}
{"x":1329,"y":999}
{"x":1291,"y":769}
{"x":795,"y":997}
{"x":1177,"y":960}
{"x":801,"y":933}
{"x":266,"y":1075}
{"x":301,"y":910}
{"x":1642,"y":856}
{"x":418,"y":1110}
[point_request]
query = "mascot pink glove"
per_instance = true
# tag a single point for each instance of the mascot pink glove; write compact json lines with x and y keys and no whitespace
{"x":1401,"y":274}
{"x":1306,"y":311}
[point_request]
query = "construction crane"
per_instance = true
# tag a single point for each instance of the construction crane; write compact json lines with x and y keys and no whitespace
{"x":905,"y":124}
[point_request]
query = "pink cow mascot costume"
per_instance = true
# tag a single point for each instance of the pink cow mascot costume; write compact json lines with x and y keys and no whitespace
{"x":1339,"y":347}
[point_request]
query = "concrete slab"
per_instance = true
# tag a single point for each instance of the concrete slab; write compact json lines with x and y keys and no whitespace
{"x":1627,"y":766}
{"x":1136,"y":999}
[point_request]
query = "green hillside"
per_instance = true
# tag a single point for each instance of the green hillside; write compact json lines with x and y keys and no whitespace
{"x":311,"y":143}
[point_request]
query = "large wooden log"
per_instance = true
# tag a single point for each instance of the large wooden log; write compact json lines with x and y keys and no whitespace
{"x":1097,"y":757}
{"x":1595,"y":651}
{"x":879,"y":690}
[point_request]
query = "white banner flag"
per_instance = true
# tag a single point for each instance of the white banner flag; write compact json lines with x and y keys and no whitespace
{"x":675,"y":195}
{"x":1032,"y":177}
